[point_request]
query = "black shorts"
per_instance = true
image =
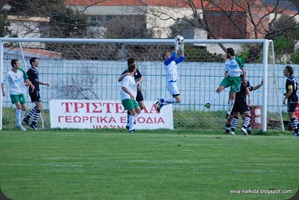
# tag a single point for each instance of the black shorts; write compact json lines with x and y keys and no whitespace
{"x":35,"y":96}
{"x":240,"y":107}
{"x":292,"y":107}
{"x":139,"y":96}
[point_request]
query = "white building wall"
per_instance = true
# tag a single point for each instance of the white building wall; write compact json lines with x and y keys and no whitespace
{"x":157,"y":17}
{"x":24,"y":27}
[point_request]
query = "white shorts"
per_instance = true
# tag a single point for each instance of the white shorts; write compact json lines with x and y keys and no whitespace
{"x":172,"y":88}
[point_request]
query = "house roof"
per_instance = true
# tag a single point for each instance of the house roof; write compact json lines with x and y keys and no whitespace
{"x":210,"y":5}
{"x":52,"y":54}
{"x":232,"y":5}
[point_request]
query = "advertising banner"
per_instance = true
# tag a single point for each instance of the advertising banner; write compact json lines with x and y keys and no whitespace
{"x":90,"y":114}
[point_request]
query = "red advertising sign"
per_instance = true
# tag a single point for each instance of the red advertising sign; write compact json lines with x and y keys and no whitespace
{"x":89,"y":114}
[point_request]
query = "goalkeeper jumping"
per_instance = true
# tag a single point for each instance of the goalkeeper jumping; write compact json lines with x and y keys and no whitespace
{"x":170,"y":66}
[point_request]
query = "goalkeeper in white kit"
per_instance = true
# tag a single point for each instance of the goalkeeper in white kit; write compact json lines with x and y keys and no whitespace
{"x":170,"y":66}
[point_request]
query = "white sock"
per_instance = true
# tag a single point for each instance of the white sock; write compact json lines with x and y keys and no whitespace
{"x":213,"y":97}
{"x":131,"y":122}
{"x":22,"y":114}
{"x":234,"y":123}
{"x":170,"y":101}
{"x":230,"y":105}
{"x":136,"y":116}
{"x":18,"y":116}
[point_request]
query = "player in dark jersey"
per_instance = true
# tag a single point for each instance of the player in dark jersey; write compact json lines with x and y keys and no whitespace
{"x":34,"y":93}
{"x":291,"y":98}
{"x":138,"y":79}
{"x":241,"y":107}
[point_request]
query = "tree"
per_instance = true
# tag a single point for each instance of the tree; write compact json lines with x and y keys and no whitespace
{"x":18,"y":6}
{"x":183,"y":27}
{"x":215,"y":15}
{"x":295,"y":57}
{"x":64,"y":22}
{"x":132,"y":26}
{"x":72,"y":22}
{"x":4,"y":24}
{"x":285,"y":41}
{"x":229,"y":18}
{"x":79,"y":88}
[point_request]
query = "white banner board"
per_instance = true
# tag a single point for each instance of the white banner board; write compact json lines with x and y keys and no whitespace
{"x":89,"y":114}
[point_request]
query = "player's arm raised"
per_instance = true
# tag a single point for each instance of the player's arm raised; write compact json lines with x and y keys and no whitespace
{"x":258,"y":86}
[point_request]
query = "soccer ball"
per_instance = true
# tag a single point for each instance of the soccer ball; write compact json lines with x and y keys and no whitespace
{"x":179,"y":39}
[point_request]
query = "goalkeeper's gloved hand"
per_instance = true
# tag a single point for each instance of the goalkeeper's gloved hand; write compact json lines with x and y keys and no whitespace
{"x":181,"y":46}
{"x":176,"y":44}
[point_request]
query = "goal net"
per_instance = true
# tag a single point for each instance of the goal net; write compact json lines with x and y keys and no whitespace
{"x":88,"y":69}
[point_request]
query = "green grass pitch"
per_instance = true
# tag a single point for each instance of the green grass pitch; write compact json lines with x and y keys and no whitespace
{"x":147,"y":165}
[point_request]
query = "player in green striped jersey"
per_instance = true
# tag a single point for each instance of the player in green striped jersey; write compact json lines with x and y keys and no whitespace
{"x":234,"y":68}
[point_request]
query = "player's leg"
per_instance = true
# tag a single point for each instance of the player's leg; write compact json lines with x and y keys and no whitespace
{"x":231,"y":102}
{"x":246,"y":116}
{"x":176,"y":99}
{"x":137,"y":111}
{"x":131,"y":120}
{"x":129,"y":106}
{"x":246,"y":122}
{"x":173,"y":90}
{"x":19,"y":116}
{"x":34,"y":98}
{"x":235,"y":112}
{"x":133,"y":115}
{"x":23,"y":109}
{"x":228,"y":125}
{"x":30,"y":114}
{"x":249,"y":129}
{"x":235,"y":85}
{"x":234,"y":124}
{"x":18,"y":113}
{"x":15,"y":99}
{"x":293,"y":118}
{"x":139,"y":99}
{"x":128,"y":118}
{"x":37,"y":110}
{"x":215,"y":94}
{"x":224,"y":84}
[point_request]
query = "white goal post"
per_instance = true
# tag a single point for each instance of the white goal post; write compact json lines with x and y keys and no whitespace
{"x":263,"y":72}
